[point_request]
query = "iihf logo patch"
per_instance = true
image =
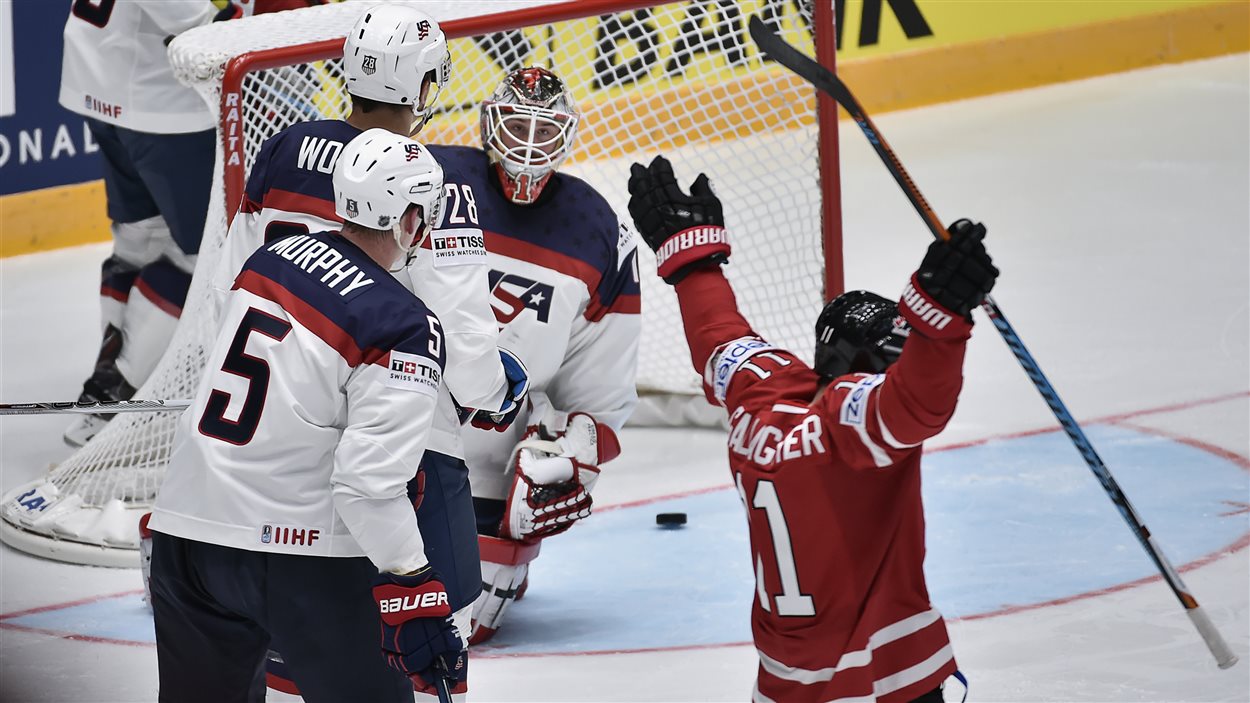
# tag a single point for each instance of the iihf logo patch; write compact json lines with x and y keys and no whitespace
{"x":266,"y":534}
{"x":370,"y":65}
{"x":352,"y":208}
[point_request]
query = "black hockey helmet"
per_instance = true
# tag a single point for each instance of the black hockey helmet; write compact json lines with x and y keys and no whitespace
{"x":858,"y":332}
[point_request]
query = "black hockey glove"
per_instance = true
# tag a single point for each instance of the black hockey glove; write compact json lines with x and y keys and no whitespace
{"x":958,"y":273}
{"x":685,"y":231}
{"x":418,"y":636}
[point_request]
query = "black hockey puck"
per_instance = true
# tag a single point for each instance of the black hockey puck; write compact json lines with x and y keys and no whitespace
{"x":670,"y":520}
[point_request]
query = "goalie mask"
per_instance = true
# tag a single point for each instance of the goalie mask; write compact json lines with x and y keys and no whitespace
{"x":397,"y":55}
{"x":385,"y":181}
{"x":528,"y":126}
{"x":858,"y":332}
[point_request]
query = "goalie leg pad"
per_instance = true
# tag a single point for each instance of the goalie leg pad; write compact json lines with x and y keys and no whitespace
{"x":505,"y":568}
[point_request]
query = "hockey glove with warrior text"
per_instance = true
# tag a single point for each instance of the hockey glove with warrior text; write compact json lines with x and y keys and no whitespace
{"x":552,"y":476}
{"x":518,"y":385}
{"x":685,"y":231}
{"x":418,"y":636}
{"x":954,"y":277}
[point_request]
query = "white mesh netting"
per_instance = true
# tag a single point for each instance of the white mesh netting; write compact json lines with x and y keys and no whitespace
{"x":682,"y":79}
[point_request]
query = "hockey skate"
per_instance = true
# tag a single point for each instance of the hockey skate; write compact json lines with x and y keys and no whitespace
{"x":105,"y":384}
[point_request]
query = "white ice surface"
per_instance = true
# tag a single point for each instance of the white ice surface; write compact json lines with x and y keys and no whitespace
{"x":1119,"y":212}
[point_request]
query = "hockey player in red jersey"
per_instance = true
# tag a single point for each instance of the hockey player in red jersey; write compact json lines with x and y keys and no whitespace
{"x":827,"y":459}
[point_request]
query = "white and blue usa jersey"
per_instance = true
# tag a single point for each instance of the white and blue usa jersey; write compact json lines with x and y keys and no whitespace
{"x":290,"y":191}
{"x":313,"y":413}
{"x":564,"y":290}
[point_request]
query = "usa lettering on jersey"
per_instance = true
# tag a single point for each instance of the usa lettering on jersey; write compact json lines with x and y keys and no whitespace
{"x":413,"y":372}
{"x":313,"y":256}
{"x":512,"y":294}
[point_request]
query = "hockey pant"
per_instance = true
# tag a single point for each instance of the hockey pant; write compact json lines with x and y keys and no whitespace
{"x":219,"y":609}
{"x":444,"y":505}
{"x":157,"y":187}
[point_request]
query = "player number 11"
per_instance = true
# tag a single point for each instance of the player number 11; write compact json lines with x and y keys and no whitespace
{"x":791,"y":601}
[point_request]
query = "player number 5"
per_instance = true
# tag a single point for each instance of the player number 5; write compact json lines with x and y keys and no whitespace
{"x":96,"y":13}
{"x":238,"y":362}
{"x":436,"y":337}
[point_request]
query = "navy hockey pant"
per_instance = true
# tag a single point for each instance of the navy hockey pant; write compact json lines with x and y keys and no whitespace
{"x":170,"y":175}
{"x":219,"y":609}
{"x":448,"y":528}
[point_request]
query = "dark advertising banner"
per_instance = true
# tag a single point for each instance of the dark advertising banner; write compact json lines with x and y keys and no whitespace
{"x":41,"y":143}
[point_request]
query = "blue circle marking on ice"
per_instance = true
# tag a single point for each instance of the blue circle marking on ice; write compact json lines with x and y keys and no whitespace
{"x":1010,"y":523}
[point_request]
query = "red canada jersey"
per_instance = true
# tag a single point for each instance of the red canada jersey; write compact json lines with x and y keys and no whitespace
{"x":831,"y":486}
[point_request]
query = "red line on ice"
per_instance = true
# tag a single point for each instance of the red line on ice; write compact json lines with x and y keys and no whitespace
{"x":1117,"y":419}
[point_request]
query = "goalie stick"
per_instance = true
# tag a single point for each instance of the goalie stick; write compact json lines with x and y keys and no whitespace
{"x":776,"y":48}
{"x":94,"y":408}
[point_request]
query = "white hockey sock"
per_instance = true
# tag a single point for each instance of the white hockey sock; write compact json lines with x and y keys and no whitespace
{"x":150,"y":318}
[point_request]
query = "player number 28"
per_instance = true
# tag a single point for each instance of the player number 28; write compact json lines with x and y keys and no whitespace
{"x":452,"y":194}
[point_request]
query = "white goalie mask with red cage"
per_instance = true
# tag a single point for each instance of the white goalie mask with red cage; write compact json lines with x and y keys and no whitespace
{"x":528,"y":128}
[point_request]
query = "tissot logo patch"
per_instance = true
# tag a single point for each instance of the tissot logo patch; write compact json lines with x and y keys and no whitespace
{"x":413,"y":372}
{"x":456,"y":247}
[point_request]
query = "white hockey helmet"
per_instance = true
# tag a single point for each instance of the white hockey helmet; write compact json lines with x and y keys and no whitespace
{"x":392,"y":54}
{"x":528,"y":127}
{"x":378,"y":176}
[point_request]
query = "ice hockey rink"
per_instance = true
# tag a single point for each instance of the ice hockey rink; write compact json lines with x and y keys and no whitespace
{"x":1119,"y":212}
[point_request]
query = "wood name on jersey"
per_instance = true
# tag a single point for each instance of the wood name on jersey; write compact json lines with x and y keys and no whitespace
{"x":318,"y":154}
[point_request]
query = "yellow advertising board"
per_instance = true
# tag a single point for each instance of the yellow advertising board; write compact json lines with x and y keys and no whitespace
{"x":893,"y":53}
{"x":877,"y":27}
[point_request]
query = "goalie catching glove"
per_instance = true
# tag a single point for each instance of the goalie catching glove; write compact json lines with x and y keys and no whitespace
{"x":552,"y":476}
{"x":685,"y":231}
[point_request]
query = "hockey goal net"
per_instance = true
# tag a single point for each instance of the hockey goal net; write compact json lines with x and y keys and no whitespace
{"x":678,"y":78}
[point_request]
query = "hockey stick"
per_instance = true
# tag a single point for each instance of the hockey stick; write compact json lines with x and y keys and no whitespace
{"x":823,"y":79}
{"x":441,"y":687}
{"x":99,"y":408}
